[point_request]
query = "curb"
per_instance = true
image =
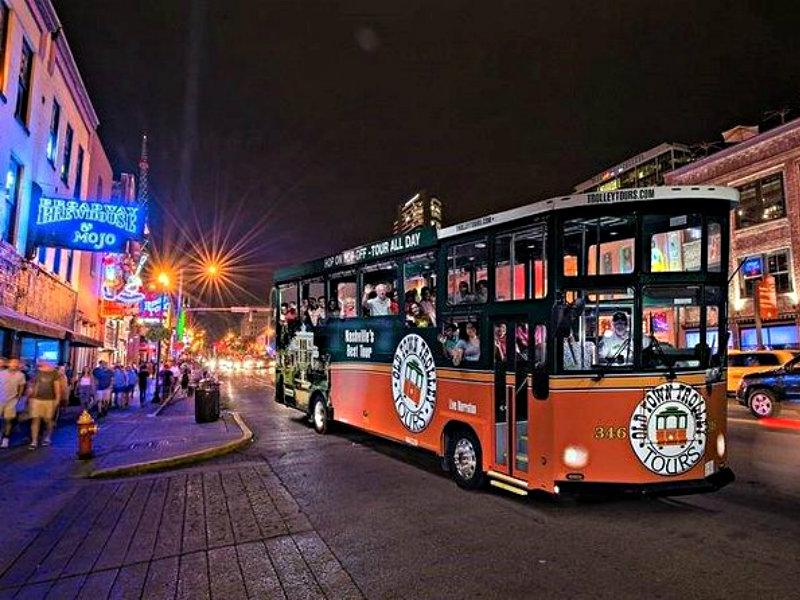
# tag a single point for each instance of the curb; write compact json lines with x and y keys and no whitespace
{"x":181,"y":459}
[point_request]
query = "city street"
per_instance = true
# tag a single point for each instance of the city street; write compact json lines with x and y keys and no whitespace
{"x":348,"y":515}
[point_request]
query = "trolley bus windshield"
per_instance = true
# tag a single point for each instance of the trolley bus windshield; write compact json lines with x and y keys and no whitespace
{"x":493,"y":333}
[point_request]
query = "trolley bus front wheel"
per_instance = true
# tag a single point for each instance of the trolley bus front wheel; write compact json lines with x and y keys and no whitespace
{"x":319,"y":415}
{"x":464,"y":458}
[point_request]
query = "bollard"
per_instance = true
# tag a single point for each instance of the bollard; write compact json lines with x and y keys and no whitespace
{"x":86,"y":429}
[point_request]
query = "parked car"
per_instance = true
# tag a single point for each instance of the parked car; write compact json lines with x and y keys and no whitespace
{"x":745,"y":362}
{"x":764,"y":392}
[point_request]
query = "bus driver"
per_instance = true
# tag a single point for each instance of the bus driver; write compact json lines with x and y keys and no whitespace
{"x":615,"y":346}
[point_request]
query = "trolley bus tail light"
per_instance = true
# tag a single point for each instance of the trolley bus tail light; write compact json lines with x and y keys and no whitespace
{"x":576,"y":457}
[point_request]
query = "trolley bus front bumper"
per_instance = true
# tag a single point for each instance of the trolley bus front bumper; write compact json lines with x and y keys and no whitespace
{"x":712,"y":483}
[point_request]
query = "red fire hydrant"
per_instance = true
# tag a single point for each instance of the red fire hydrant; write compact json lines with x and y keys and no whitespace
{"x":86,"y":429}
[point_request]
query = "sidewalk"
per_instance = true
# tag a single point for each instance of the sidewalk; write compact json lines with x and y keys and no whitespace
{"x":129,"y":441}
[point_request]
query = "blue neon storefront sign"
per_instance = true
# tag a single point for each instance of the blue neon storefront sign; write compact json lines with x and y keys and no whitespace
{"x":88,"y":226}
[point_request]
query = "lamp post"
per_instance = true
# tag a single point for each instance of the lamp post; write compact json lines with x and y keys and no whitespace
{"x":163,"y":279}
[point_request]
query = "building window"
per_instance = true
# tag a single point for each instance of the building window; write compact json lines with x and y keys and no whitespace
{"x":78,"y":174}
{"x":775,"y":263}
{"x":52,"y":138}
{"x":3,"y":38}
{"x":70,"y":265}
{"x":13,"y":184}
{"x":67,"y":155}
{"x":761,"y":201}
{"x":24,"y":83}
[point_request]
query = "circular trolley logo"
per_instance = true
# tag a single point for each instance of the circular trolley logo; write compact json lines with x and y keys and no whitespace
{"x":414,"y":383}
{"x":668,"y":428}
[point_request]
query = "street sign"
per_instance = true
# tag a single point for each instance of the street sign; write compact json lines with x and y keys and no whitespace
{"x":767,"y":298}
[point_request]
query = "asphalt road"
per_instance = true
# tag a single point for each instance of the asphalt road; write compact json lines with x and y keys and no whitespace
{"x":402,"y":529}
{"x":348,"y":515}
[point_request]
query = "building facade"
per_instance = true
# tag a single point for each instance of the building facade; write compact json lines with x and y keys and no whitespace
{"x":48,"y":140}
{"x":643,"y":170}
{"x":765,"y":226}
{"x":418,"y":211}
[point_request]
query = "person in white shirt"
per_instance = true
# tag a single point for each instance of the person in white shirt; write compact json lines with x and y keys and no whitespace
{"x":12,"y":385}
{"x":616,"y":345}
{"x":381,"y":304}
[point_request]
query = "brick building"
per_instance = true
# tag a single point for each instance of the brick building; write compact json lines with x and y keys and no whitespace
{"x":765,"y":227}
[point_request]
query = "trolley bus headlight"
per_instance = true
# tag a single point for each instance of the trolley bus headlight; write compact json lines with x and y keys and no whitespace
{"x":576,"y":457}
{"x":721,"y":445}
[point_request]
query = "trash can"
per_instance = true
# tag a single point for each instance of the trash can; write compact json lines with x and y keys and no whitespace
{"x":206,"y":401}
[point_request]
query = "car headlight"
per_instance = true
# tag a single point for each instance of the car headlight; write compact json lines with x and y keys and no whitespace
{"x":576,"y":457}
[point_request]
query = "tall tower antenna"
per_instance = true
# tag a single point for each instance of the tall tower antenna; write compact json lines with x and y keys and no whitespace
{"x":144,"y":172}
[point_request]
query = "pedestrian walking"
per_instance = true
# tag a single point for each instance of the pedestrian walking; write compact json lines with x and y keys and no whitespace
{"x":84,"y":389}
{"x":102,"y":384}
{"x":165,"y":379}
{"x":185,"y":380}
{"x":45,"y":392}
{"x":133,"y":378}
{"x":144,"y":375}
{"x":120,"y":385}
{"x":12,"y":386}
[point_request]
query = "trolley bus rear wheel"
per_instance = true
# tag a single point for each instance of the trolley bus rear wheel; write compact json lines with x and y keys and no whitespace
{"x":464,"y":459}
{"x":319,"y":415}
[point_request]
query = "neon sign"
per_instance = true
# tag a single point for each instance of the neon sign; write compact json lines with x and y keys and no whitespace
{"x":87,"y":226}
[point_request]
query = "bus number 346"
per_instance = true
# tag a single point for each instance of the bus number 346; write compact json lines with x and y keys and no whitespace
{"x":602,"y":432}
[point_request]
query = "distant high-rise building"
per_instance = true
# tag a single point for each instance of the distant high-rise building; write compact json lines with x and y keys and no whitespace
{"x":421,"y":209}
{"x":643,"y":170}
{"x":254,"y":323}
{"x":125,"y":188}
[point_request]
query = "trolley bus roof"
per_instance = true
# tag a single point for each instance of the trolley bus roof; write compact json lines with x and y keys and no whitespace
{"x":591,"y":199}
{"x":425,"y":237}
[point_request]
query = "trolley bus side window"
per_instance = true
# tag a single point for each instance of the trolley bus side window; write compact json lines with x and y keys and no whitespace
{"x":379,"y":293}
{"x":288,"y":314}
{"x":312,"y":301}
{"x":599,"y":246}
{"x":461,"y":340}
{"x":674,"y":242}
{"x":342,"y":296}
{"x":671,"y":327}
{"x":600,"y":337}
{"x":467,"y":273}
{"x":419,"y":290}
{"x":520,"y":264}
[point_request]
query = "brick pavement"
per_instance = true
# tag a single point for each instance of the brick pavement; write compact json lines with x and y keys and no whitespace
{"x":227,"y":533}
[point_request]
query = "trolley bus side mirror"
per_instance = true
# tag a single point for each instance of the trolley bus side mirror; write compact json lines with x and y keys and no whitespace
{"x":541,"y":381}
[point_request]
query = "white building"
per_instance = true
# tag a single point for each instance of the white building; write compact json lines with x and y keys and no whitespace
{"x":47,"y":136}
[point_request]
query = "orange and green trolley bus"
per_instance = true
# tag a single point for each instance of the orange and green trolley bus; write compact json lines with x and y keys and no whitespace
{"x":576,"y":343}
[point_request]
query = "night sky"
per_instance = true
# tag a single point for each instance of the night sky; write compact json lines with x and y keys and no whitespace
{"x":317,"y":118}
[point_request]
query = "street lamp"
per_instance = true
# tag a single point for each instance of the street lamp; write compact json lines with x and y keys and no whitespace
{"x":163,"y":279}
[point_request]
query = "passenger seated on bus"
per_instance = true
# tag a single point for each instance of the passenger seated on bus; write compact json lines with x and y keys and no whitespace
{"x":411,"y":296}
{"x":500,"y":342}
{"x":578,"y":356}
{"x":449,"y":340}
{"x":284,"y":310}
{"x":521,"y":341}
{"x":416,"y":318}
{"x":463,"y":296}
{"x":334,"y":310}
{"x":482,"y":291}
{"x":320,"y":309}
{"x":376,"y":301}
{"x":469,"y":347}
{"x":428,"y":303}
{"x":349,"y":308}
{"x":615,"y":346}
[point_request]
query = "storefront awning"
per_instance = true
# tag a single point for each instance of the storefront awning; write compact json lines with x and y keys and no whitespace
{"x":11,"y":319}
{"x":78,"y":340}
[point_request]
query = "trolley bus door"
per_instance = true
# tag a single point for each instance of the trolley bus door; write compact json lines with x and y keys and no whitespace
{"x":511,"y":369}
